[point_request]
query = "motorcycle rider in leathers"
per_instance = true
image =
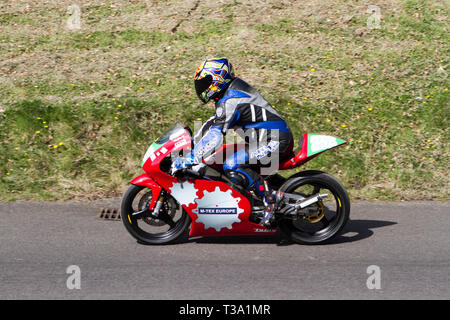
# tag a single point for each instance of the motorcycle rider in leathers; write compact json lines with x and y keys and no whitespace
{"x":240,"y":107}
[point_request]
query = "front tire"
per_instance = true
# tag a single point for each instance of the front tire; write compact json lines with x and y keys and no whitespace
{"x":147,"y":230}
{"x":332,"y":212}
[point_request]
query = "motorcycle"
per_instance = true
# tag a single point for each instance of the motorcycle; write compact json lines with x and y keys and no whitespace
{"x":312,"y":207}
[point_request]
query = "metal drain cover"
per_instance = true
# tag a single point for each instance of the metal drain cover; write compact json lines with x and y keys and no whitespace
{"x":111,"y":214}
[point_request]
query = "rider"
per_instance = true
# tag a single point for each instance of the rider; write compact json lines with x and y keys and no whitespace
{"x":239,"y":106}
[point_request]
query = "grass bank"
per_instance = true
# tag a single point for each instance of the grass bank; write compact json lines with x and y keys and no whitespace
{"x":78,"y":107}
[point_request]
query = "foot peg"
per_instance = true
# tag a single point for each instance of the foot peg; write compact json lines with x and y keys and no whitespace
{"x":268,"y":218}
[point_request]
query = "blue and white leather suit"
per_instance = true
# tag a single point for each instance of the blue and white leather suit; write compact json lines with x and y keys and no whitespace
{"x":264,"y":131}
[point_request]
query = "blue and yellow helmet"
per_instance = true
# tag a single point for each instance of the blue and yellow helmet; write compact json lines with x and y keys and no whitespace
{"x":212,"y":77}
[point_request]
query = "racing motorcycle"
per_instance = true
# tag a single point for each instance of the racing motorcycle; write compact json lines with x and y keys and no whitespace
{"x":312,"y":207}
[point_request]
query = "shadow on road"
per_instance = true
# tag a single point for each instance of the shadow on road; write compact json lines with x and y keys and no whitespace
{"x":361,"y":228}
{"x":355,"y":230}
{"x":239,"y":239}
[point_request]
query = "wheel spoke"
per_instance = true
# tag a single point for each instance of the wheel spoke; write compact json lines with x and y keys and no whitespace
{"x":316,"y":189}
{"x":325,"y":222}
{"x":140,"y":214}
{"x":167,"y":219}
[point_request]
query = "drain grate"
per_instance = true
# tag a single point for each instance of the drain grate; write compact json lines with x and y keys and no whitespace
{"x":111,"y":214}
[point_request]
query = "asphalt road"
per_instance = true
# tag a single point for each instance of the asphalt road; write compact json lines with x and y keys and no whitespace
{"x":408,"y":241}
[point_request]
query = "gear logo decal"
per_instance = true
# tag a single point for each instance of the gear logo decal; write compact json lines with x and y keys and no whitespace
{"x":184,"y":192}
{"x":218,"y":209}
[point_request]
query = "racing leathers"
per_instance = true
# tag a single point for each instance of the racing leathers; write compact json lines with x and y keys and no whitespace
{"x":267,"y":137}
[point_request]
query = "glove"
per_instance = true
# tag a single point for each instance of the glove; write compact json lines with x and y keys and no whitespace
{"x":182,"y":163}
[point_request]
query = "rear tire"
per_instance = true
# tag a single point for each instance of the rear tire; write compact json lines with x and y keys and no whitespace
{"x":323,"y":229}
{"x":176,"y":233}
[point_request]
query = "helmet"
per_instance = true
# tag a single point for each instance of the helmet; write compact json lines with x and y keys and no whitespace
{"x":212,"y":77}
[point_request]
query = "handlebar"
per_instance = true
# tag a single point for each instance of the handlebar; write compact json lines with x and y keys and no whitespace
{"x":187,"y":172}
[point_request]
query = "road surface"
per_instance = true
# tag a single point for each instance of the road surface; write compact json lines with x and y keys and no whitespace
{"x":401,"y":250}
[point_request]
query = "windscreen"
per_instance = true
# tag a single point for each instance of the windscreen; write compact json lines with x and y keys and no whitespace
{"x":174,"y":131}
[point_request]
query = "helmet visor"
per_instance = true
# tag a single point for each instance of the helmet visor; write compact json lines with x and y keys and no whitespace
{"x":202,"y":85}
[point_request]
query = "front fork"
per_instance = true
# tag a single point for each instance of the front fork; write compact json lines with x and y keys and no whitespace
{"x":149,"y":211}
{"x":159,"y":203}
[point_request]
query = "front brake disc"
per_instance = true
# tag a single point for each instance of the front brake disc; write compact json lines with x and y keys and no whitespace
{"x":168,"y":206}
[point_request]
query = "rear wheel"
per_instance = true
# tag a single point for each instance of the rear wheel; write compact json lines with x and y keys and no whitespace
{"x":322,"y":221}
{"x":170,"y":226}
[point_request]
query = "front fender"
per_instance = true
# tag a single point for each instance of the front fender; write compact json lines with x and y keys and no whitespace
{"x":145,"y":180}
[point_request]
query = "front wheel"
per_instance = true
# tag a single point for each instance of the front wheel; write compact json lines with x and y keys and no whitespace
{"x":170,"y":226}
{"x":326,"y":218}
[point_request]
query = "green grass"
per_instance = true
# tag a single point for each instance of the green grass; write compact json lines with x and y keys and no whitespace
{"x":79,"y":108}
